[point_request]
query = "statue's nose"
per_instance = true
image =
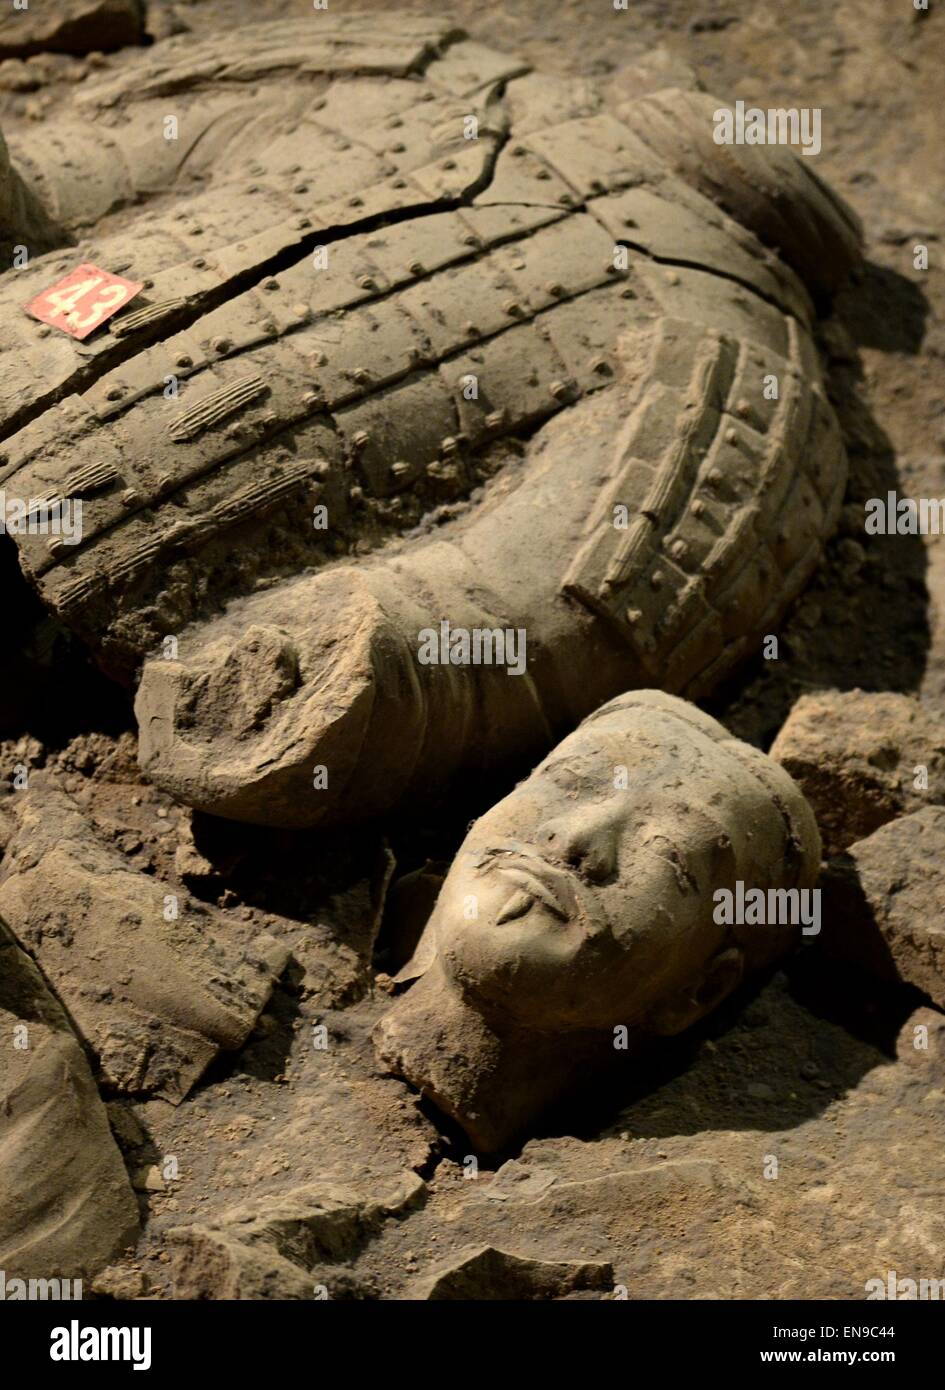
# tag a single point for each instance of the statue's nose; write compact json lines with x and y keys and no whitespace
{"x":587,"y":840}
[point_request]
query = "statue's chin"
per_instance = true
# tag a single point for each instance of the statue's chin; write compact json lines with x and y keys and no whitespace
{"x":487,"y":1072}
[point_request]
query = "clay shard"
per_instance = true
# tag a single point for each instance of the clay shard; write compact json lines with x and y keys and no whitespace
{"x":884,"y":899}
{"x":179,"y":988}
{"x":862,"y":758}
{"x":489,"y":1273}
{"x":24,"y":223}
{"x":67,"y":1205}
{"x":285,"y":1246}
{"x":589,"y":911}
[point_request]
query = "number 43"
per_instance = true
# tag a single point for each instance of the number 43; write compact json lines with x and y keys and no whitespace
{"x":63,"y":302}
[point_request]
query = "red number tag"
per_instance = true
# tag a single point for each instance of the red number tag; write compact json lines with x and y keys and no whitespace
{"x":83,"y":300}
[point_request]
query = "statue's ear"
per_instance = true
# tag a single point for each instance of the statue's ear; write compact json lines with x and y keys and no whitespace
{"x":722,"y":975}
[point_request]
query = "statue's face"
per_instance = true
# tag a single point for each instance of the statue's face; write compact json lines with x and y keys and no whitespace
{"x":584,"y":898}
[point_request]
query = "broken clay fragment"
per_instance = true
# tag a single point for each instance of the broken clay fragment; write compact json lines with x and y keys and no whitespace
{"x":862,"y":758}
{"x":66,"y":1206}
{"x":884,"y":902}
{"x":157,"y":985}
{"x":285,"y":1245}
{"x":488,"y":1273}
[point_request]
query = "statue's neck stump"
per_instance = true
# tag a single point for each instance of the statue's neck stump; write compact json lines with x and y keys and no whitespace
{"x":489,"y":1075}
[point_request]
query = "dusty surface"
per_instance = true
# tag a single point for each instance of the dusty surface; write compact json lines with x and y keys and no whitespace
{"x":862,"y":758}
{"x":669,"y":1182}
{"x":67,"y":1199}
{"x":155,"y":985}
{"x":884,"y":893}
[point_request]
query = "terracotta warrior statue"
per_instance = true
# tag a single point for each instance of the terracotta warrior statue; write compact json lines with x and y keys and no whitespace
{"x":453,"y":401}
